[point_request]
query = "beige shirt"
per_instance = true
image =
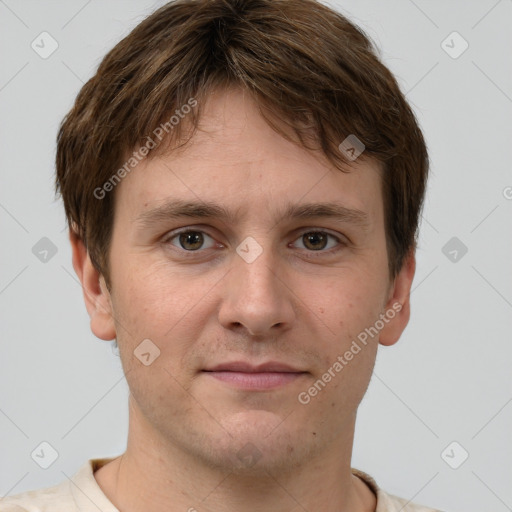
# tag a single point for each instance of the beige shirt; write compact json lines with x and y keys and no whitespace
{"x":84,"y":494}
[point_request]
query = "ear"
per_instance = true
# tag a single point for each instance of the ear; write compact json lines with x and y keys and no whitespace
{"x":97,"y":297}
{"x":399,"y":302}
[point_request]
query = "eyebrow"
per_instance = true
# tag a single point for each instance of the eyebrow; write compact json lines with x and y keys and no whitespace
{"x":177,"y":208}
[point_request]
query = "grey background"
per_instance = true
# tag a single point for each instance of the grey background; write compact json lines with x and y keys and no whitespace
{"x":448,"y":379}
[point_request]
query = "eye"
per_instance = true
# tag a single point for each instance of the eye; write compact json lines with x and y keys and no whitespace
{"x":192,"y":240}
{"x":318,"y":240}
{"x":189,"y":240}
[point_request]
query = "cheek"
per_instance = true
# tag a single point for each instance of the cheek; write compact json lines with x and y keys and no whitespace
{"x":343,"y":306}
{"x":177,"y":312}
{"x":153,"y":296}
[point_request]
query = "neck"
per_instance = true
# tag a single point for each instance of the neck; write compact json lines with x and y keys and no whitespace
{"x":156,"y":475}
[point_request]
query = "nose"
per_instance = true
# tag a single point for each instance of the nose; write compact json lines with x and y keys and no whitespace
{"x":257,"y":296}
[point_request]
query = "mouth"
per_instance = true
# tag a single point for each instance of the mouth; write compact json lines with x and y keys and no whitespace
{"x":261,"y":377}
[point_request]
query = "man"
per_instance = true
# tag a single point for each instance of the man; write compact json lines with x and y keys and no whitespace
{"x":243,"y":181}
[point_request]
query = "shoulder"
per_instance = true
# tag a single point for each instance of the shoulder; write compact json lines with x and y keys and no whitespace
{"x":388,"y":502}
{"x":50,"y":499}
{"x":80,"y":493}
{"x":394,"y":503}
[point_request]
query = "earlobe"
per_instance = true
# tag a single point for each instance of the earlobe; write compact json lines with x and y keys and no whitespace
{"x":398,"y":307}
{"x":96,"y":296}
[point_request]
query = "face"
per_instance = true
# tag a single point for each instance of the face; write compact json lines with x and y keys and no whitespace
{"x":219,"y":296}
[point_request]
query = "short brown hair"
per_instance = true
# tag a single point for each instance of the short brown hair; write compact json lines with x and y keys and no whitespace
{"x":305,"y":62}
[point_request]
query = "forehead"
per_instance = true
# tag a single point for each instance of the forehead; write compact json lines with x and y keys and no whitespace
{"x":236,"y":159}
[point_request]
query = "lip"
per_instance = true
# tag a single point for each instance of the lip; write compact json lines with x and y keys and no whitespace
{"x":265,"y":376}
{"x":245,"y":367}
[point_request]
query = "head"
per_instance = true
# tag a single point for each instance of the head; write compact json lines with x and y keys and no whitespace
{"x":241,"y":107}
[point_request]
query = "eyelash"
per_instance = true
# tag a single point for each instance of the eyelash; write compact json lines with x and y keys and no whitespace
{"x":322,"y":252}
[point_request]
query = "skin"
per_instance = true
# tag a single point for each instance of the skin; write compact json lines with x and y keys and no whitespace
{"x":292,"y":304}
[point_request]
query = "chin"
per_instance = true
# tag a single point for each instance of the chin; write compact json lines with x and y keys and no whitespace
{"x":259,"y":442}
